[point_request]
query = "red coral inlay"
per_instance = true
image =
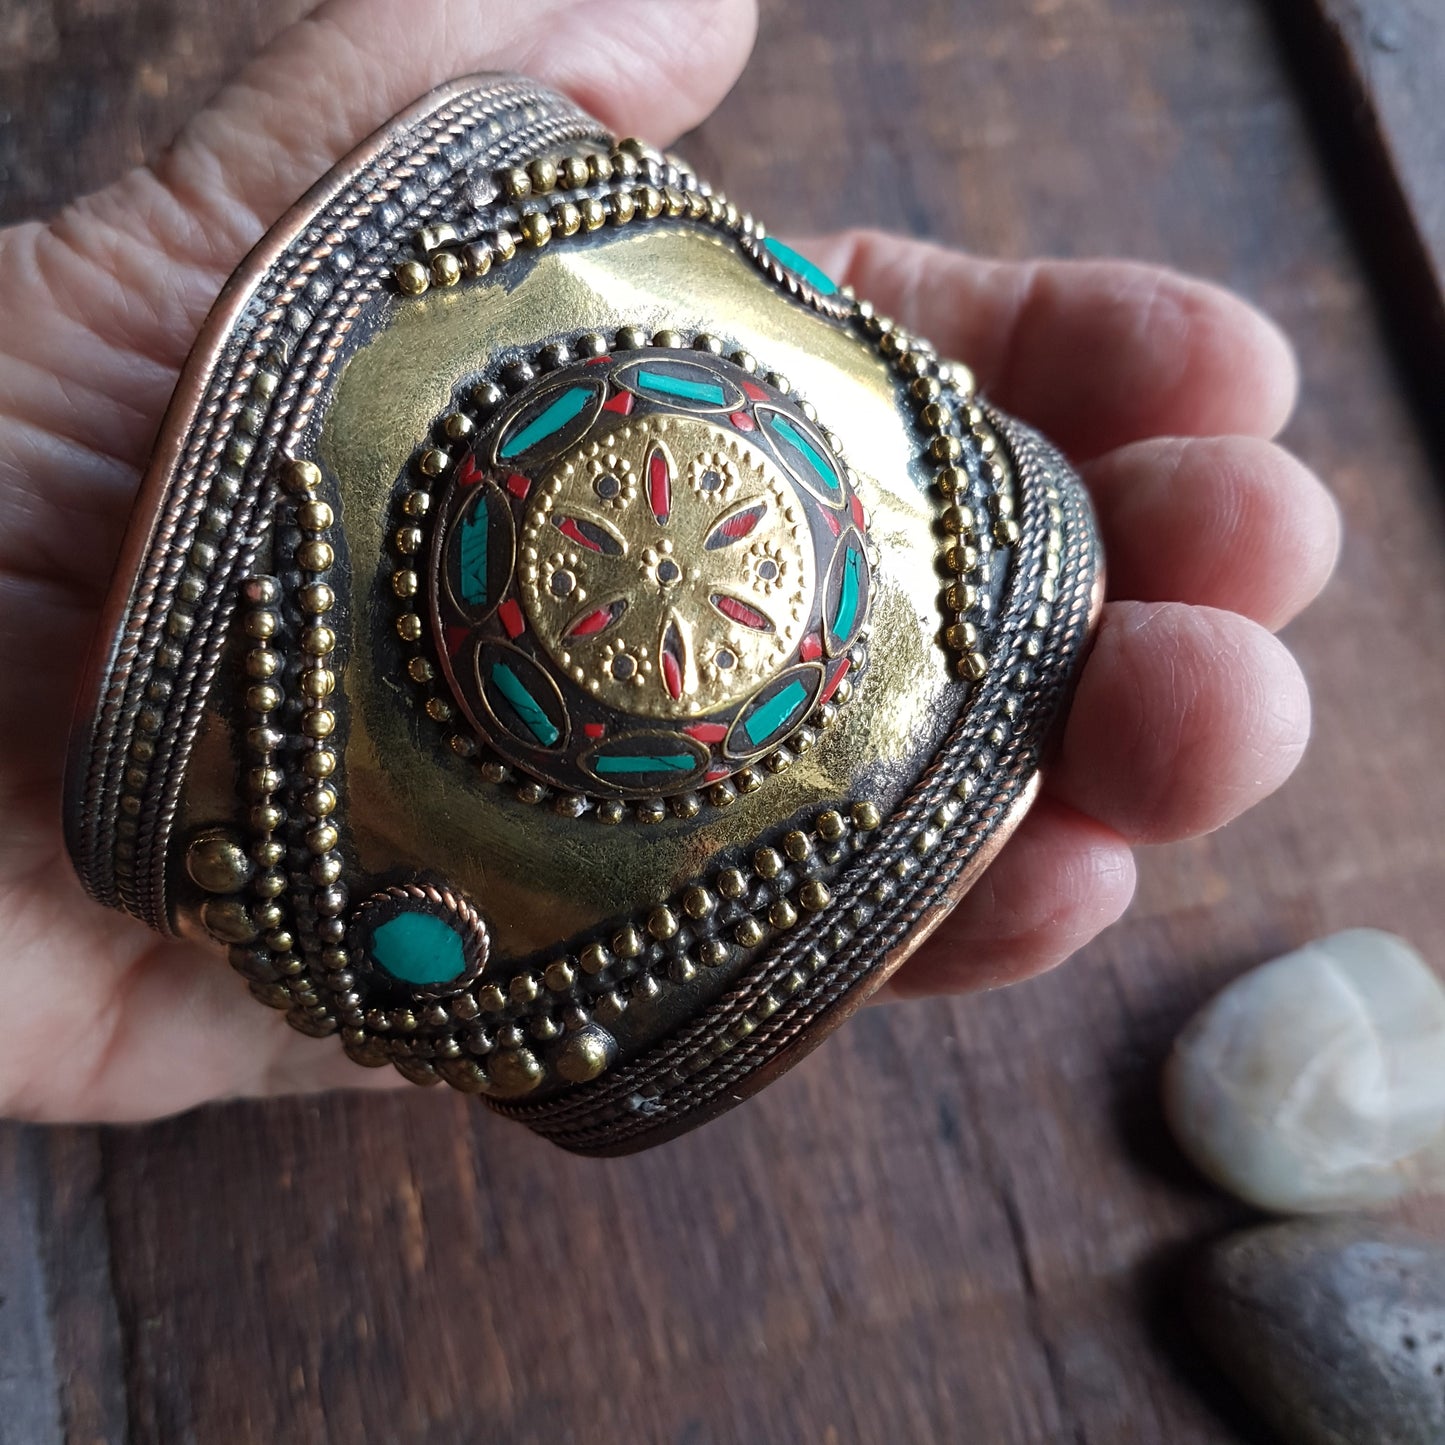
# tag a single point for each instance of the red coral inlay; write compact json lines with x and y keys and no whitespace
{"x":518,"y":485}
{"x":621,"y":403}
{"x":511,"y":617}
{"x":831,"y":686}
{"x":740,"y":612}
{"x":707,"y":732}
{"x":598,"y":621}
{"x":742,"y":421}
{"x":659,"y":484}
{"x":812,"y":648}
{"x":469,"y":472}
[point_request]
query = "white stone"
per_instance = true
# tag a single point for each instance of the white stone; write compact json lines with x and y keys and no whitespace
{"x":1317,"y":1082}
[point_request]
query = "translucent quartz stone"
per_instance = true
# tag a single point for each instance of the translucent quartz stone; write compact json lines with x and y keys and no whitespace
{"x":1317,"y":1082}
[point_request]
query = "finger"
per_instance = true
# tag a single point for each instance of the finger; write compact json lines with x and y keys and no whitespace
{"x":1093,"y":353}
{"x":1184,"y":717}
{"x":1229,"y":522}
{"x":1060,"y":880}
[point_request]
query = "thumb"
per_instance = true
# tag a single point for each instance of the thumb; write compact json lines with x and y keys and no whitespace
{"x":648,"y":67}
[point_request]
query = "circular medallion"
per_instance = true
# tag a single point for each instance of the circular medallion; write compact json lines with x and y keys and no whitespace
{"x":649,"y":567}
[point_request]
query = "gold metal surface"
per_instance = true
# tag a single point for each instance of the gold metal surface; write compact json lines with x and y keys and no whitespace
{"x":546,"y":877}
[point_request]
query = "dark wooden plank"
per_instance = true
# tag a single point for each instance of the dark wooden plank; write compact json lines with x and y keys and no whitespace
{"x":1373,"y":72}
{"x":89,"y":88}
{"x":956,"y":1221}
{"x":61,"y":1373}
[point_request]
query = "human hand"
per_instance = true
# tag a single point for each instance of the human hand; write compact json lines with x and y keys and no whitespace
{"x":1187,"y":713}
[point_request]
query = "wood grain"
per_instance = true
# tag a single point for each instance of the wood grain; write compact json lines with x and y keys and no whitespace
{"x":955,"y":1222}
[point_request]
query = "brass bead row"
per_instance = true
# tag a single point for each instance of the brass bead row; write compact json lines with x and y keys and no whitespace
{"x":530,"y":998}
{"x":322,"y":921}
{"x":638,"y":184}
{"x":207,"y":546}
{"x":936,"y":389}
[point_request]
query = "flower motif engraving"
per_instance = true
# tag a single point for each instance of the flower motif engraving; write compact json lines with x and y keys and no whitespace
{"x":699,"y":567}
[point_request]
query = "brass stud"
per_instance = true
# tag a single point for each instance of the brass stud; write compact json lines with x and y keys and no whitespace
{"x":536,"y":229}
{"x":831,"y":825}
{"x":782,"y":914}
{"x":749,"y":933}
{"x":559,"y":976}
{"x":514,"y":1072}
{"x":962,"y":636}
{"x":433,"y":462}
{"x":698,"y":903}
{"x":405,"y":583}
{"x":588,"y":1053}
{"x":814,"y":895}
{"x":594,"y":214}
{"x":767,"y":863}
{"x":317,"y":598}
{"x":662,"y":923}
{"x":315,"y":556}
{"x":228,"y":920}
{"x":319,"y":641}
{"x":628,"y":943}
{"x":218,"y":864}
{"x":594,"y":958}
{"x":517,"y":183}
{"x":566,"y":218}
{"x":318,"y":723}
{"x":797,"y":845}
{"x":714,"y":953}
{"x":543,"y":175}
{"x":866,"y":815}
{"x":524,"y":988}
{"x":408,"y":627}
{"x":412,"y":278}
{"x":504,"y":245}
{"x":491,"y":999}
{"x":446,"y":270}
{"x":973,"y":667}
{"x":573,"y":171}
{"x":732,"y":883}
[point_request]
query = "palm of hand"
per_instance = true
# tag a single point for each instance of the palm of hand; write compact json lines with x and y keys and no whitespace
{"x":1188,"y":711}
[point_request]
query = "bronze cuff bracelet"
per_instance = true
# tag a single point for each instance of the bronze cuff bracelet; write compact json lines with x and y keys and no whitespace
{"x":566,"y":645}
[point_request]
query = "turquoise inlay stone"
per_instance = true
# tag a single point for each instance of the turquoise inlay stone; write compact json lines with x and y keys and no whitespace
{"x":679,"y":386}
{"x":643,"y":763}
{"x":473,"y":569}
{"x":419,"y":948}
{"x":528,"y":709}
{"x":776,"y":713}
{"x":815,"y":459}
{"x":848,"y":595}
{"x":553,"y":419}
{"x":815,"y":276}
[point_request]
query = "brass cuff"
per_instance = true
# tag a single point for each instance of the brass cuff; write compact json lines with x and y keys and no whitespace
{"x":566,"y":645}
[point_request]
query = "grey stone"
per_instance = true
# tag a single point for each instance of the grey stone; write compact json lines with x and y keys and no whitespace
{"x":1334,"y":1329}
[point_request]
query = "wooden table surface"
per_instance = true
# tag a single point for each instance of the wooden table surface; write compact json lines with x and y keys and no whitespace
{"x":958,"y":1222}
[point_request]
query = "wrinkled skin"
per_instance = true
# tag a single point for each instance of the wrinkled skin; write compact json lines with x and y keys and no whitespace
{"x":1188,"y":712}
